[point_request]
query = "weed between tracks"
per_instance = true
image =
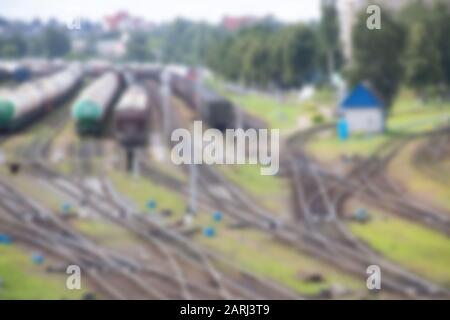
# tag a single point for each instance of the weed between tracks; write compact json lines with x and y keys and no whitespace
{"x":24,"y":280}
{"x":106,"y":233}
{"x":140,"y":191}
{"x":414,"y":246}
{"x":273,"y":192}
{"x":402,"y":169}
{"x":248,"y":248}
{"x":259,"y":253}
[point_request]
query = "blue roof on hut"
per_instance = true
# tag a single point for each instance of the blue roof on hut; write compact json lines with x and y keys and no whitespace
{"x":361,"y":97}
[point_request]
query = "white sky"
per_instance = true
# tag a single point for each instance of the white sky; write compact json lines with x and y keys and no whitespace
{"x":161,"y":10}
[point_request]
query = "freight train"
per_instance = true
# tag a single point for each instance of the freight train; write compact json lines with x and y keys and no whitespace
{"x":214,"y":109}
{"x":144,"y":71}
{"x":18,"y":71}
{"x":132,"y":116}
{"x":90,"y":111}
{"x":21,"y":105}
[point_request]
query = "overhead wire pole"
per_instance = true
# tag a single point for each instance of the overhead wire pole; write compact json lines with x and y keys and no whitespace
{"x":193,"y":166}
{"x":166,"y":93}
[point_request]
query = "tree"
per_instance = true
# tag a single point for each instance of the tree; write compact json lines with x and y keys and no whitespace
{"x":256,"y":62}
{"x":422,"y":59}
{"x":328,"y":35}
{"x":14,"y":46}
{"x":267,"y":54}
{"x":440,"y":17}
{"x":138,"y":48}
{"x":377,"y":56}
{"x":427,"y":57}
{"x":186,"y":42}
{"x":56,"y":42}
{"x":298,"y":51}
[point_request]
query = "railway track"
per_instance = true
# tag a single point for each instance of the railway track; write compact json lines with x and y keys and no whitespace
{"x":39,"y":146}
{"x":106,"y":205}
{"x":342,"y":249}
{"x":114,"y":274}
{"x":369,"y":181}
{"x":430,"y":155}
{"x":191,"y":276}
{"x":319,"y":214}
{"x":319,"y":196}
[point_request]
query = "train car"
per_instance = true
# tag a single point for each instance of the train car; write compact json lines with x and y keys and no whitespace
{"x":144,"y":71}
{"x":132,"y":116}
{"x":97,"y":67}
{"x":91,"y":109}
{"x":14,"y":71}
{"x":184,"y":89}
{"x":214,"y":109}
{"x":21,"y":105}
{"x":43,"y":67}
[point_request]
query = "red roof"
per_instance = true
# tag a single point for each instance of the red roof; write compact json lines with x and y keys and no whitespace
{"x":234,"y":23}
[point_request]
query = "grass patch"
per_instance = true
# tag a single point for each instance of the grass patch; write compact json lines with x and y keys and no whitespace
{"x":35,"y":190}
{"x":402,"y":169}
{"x":272,"y":191}
{"x":141,"y":190}
{"x":279,"y":114}
{"x":24,"y":280}
{"x":331,"y":148}
{"x":260,"y":254}
{"x":105,"y":232}
{"x":415,"y":247}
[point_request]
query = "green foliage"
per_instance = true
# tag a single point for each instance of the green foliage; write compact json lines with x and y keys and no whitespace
{"x":422,"y":58}
{"x":52,"y":42}
{"x":415,"y":247}
{"x":13,"y":46}
{"x":265,"y":54}
{"x":24,"y":280}
{"x":186,"y":42}
{"x":377,"y":56}
{"x":328,"y":36}
{"x":56,"y":43}
{"x":427,"y":56}
{"x":441,"y":17}
{"x":139,"y":48}
{"x":318,"y":119}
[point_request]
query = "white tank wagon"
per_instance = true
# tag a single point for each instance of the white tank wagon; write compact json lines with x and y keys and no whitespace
{"x":132,"y":117}
{"x":91,"y":109}
{"x":21,"y":105}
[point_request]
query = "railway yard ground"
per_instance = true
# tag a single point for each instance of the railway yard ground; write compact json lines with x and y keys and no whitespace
{"x":309,"y":232}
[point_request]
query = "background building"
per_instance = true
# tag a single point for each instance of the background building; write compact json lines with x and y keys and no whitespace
{"x":363,"y":111}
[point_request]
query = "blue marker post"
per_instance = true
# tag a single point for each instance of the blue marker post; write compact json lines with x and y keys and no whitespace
{"x":5,"y":239}
{"x":217,"y":216}
{"x":209,"y":232}
{"x":66,"y":208}
{"x":342,"y":129}
{"x":151,"y":205}
{"x":361,"y":214}
{"x":37,"y":258}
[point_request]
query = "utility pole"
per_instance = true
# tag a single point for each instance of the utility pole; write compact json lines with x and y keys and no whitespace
{"x":166,"y":93}
{"x":198,"y":106}
{"x":193,"y":167}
